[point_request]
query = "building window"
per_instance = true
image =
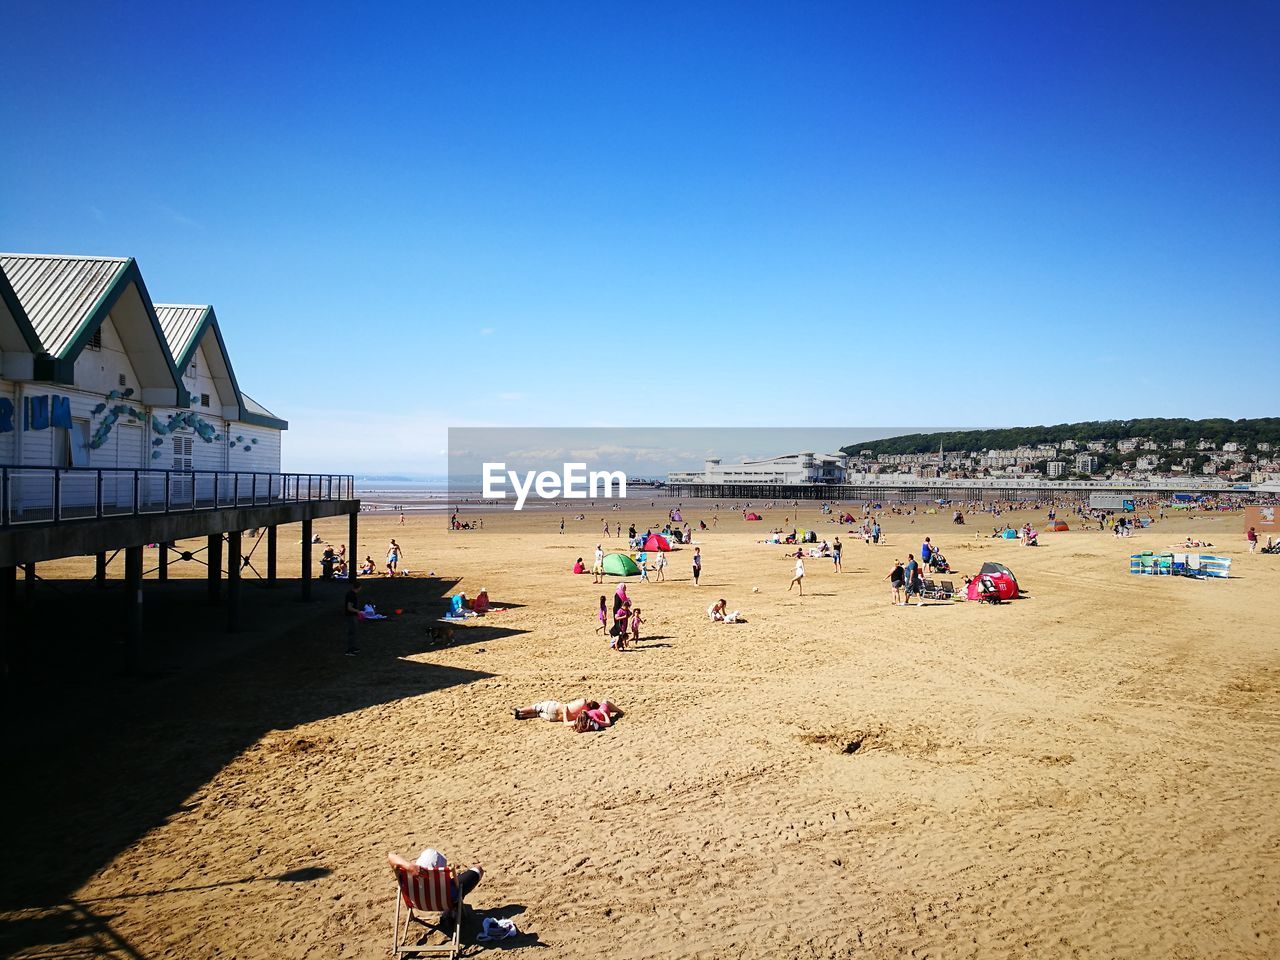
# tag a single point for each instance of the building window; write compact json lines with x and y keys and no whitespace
{"x":95,"y":342}
{"x":204,"y":399}
{"x":191,"y":369}
{"x":182,"y":452}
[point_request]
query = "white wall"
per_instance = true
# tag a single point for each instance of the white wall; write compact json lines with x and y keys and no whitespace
{"x":8,"y":441}
{"x":261,"y":457}
{"x":98,"y":371}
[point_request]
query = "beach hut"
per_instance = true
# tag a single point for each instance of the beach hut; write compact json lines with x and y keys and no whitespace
{"x":656,"y":541}
{"x":620,"y":565}
{"x":754,"y":516}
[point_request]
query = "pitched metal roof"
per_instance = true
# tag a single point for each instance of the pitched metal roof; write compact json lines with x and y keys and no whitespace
{"x":253,"y":406}
{"x":180,"y":321}
{"x":58,"y":293}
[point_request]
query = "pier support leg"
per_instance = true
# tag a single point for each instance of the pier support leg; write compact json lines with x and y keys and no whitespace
{"x":234,"y":561}
{"x":133,"y":601}
{"x":272,"y":532}
{"x":215,"y":567}
{"x":162,"y":570}
{"x":100,"y":571}
{"x":353,"y":556}
{"x":10,"y":630}
{"x":306,"y":559}
{"x":29,"y":583}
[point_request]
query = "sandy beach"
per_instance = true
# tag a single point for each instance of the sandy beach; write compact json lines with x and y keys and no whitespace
{"x":1090,"y":771}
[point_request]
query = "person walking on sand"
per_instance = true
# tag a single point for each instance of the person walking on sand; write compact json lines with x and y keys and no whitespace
{"x":621,"y":622}
{"x":835,"y":554}
{"x":799,"y":577}
{"x":1252,"y":537}
{"x":895,"y":578}
{"x":636,"y":623}
{"x":697,"y":564}
{"x":597,"y":565}
{"x":394,"y":553}
{"x":912,"y":576}
{"x":602,"y":615}
{"x":660,"y":565}
{"x":562,"y":526}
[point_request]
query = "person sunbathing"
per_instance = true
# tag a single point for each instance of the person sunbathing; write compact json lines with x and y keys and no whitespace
{"x":554,"y":711}
{"x":597,"y":718}
{"x":480,"y":605}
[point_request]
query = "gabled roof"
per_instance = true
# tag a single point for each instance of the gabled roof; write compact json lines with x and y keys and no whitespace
{"x":251,"y":411}
{"x":186,"y":326}
{"x":20,"y":332}
{"x":180,"y":323}
{"x":66,"y":298}
{"x":58,"y":294}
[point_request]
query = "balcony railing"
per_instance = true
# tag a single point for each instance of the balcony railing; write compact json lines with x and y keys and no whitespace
{"x":31,"y":495}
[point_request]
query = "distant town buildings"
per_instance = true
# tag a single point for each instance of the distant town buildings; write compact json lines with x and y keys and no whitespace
{"x":1086,"y":462}
{"x":1130,"y":458}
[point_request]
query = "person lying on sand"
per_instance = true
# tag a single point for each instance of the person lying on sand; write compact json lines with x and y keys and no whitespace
{"x":597,"y":718}
{"x":554,"y":711}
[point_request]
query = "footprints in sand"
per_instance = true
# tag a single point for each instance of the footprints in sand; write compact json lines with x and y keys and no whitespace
{"x":913,"y":741}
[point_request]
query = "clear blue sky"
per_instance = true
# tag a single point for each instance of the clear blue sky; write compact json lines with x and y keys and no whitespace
{"x":821,"y":214}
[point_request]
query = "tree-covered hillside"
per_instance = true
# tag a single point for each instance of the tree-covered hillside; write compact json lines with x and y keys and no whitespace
{"x":1163,"y":431}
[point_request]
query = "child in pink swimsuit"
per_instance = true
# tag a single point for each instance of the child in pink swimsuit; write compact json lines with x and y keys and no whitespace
{"x":635,"y":626}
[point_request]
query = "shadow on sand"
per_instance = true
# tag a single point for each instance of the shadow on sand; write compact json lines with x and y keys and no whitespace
{"x":97,"y":756}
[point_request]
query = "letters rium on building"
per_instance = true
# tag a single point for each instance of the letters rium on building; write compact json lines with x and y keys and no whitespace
{"x":38,"y":413}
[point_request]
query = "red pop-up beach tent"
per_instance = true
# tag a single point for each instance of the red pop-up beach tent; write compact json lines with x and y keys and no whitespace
{"x":1000,"y":576}
{"x":754,"y":516}
{"x":656,"y":541}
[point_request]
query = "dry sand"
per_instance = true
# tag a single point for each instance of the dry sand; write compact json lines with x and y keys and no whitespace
{"x":1090,"y":772}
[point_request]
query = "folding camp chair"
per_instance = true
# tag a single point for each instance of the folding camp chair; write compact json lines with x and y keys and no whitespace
{"x":949,"y":589}
{"x":426,"y":892}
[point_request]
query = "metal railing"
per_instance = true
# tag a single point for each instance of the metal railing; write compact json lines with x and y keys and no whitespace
{"x":32,"y":495}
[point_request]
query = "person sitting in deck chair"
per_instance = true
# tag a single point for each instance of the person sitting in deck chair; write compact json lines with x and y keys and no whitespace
{"x":430,"y":859}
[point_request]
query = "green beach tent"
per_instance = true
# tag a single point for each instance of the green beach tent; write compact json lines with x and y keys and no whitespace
{"x":620,"y":565}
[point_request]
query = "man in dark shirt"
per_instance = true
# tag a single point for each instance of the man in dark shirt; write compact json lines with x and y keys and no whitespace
{"x":351,"y":613}
{"x":911,"y":571}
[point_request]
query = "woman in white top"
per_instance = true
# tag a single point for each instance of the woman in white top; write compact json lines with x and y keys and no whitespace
{"x":799,"y":577}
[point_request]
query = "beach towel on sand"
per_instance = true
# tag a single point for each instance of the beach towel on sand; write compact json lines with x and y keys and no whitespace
{"x":495,"y":929}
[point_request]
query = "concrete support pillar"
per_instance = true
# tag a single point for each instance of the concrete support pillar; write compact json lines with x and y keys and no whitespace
{"x":162,"y":570}
{"x":306,"y":559}
{"x":353,"y":550}
{"x":100,"y":570}
{"x":133,"y":602}
{"x":234,"y":561}
{"x":272,"y":536}
{"x":29,"y":583}
{"x":215,"y":567}
{"x":10,"y":628}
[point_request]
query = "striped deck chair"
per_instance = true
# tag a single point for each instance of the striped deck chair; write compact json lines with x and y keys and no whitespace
{"x":426,"y":894}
